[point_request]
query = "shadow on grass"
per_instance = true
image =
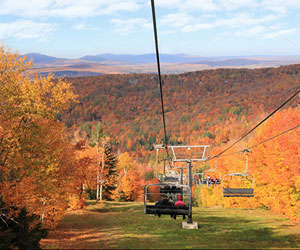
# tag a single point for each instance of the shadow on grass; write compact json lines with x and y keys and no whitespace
{"x":78,"y":238}
{"x":91,"y":202}
{"x":257,"y":238}
{"x":243,"y":233}
{"x":213,"y":233}
{"x":113,"y":207}
{"x":124,"y":225}
{"x":230,"y":231}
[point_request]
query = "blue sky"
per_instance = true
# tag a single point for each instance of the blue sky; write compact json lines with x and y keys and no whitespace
{"x":74,"y":28}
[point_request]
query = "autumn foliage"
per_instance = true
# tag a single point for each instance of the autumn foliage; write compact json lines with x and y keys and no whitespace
{"x":36,"y":160}
{"x":207,"y":107}
{"x":131,"y":181}
{"x":47,"y":168}
{"x":274,"y":165}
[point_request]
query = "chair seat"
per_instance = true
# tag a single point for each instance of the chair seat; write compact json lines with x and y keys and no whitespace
{"x":171,"y":210}
{"x":238,"y":192}
{"x":238,"y":195}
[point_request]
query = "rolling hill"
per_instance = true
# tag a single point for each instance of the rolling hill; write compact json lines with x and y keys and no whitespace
{"x":146,"y":63}
{"x":211,"y":106}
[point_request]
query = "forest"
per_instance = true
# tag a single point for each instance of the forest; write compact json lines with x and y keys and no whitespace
{"x":64,"y":141}
{"x":212,"y":106}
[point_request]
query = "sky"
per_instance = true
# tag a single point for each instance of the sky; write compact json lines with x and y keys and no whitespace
{"x":75,"y":28}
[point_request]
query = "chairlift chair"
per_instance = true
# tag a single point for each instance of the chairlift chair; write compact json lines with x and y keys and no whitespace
{"x":212,"y":171}
{"x":187,"y":154}
{"x":238,"y":191}
{"x":153,"y":196}
{"x":171,"y":179}
{"x":175,"y":175}
{"x":207,"y":172}
{"x":244,"y":190}
{"x":197,"y":178}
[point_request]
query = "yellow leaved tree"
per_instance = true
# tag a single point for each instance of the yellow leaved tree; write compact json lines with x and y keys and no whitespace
{"x":36,"y":159}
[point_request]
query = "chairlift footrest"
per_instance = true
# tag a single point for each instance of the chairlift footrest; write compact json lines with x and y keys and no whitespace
{"x":170,"y":210}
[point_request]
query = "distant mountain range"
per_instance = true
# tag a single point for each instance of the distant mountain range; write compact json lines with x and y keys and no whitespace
{"x":126,"y":58}
{"x":145,"y":63}
{"x":143,"y":58}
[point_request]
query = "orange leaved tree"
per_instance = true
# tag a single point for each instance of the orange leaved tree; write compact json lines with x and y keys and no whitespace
{"x":36,"y":159}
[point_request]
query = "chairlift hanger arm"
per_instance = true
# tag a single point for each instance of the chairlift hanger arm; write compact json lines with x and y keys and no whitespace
{"x":186,"y":156}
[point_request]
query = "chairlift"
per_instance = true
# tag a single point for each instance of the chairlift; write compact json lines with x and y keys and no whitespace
{"x":197,"y":178}
{"x":244,"y":183}
{"x":171,"y":179}
{"x":174,"y":175}
{"x":210,"y":172}
{"x":155,"y":193}
{"x":247,"y":189}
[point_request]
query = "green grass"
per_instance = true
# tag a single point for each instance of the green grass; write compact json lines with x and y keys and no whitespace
{"x":124,"y":225}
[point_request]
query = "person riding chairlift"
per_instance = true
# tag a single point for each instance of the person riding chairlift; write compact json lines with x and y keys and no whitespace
{"x":179,"y":203}
{"x":214,"y":181}
{"x":208,"y":180}
{"x":164,"y":201}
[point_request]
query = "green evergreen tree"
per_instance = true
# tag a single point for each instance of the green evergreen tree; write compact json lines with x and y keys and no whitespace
{"x":110,"y":172}
{"x":22,"y":231}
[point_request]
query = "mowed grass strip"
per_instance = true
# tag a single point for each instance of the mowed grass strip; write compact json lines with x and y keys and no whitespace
{"x":124,"y":225}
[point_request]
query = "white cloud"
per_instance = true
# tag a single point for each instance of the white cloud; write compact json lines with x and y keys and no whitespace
{"x":256,"y":30}
{"x":278,"y":6}
{"x":72,"y":11}
{"x":282,"y":32}
{"x":172,"y":4}
{"x":126,"y":26}
{"x":188,"y":16}
{"x":25,"y":8}
{"x":250,"y":15}
{"x":268,"y":32}
{"x":199,"y":5}
{"x":67,"y":8}
{"x":187,"y":23}
{"x":188,"y":5}
{"x":90,"y":8}
{"x":120,"y":6}
{"x":178,"y":20}
{"x":199,"y":26}
{"x":235,"y":5}
{"x":80,"y":26}
{"x":38,"y":11}
{"x":281,"y":6}
{"x":26,"y":30}
{"x":243,"y":19}
{"x":83,"y":26}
